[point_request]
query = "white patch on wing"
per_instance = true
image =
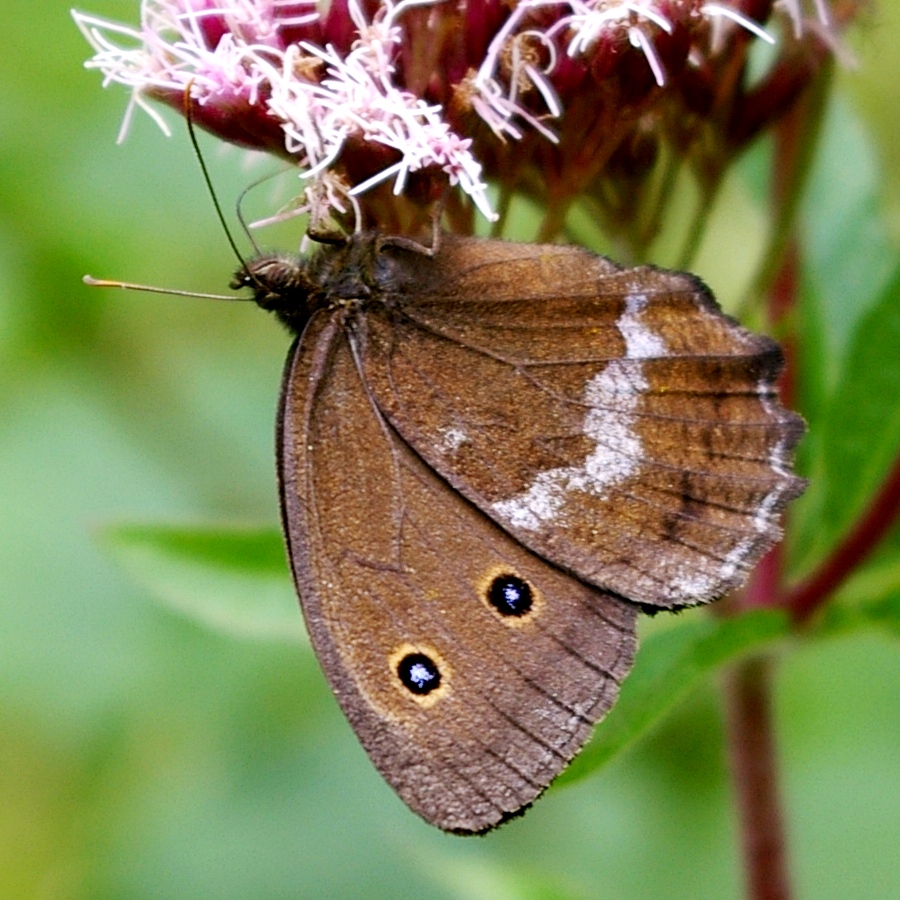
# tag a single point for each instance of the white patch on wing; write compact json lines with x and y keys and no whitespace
{"x":701,"y":586}
{"x":640,"y":341}
{"x":612,"y":398}
{"x":453,"y":439}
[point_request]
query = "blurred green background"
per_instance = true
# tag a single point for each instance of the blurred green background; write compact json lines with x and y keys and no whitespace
{"x":144,"y":753}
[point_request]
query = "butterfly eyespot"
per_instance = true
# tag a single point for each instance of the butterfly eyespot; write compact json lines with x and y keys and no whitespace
{"x":422,"y":673}
{"x":419,"y":674}
{"x":515,"y":601}
{"x":510,"y":595}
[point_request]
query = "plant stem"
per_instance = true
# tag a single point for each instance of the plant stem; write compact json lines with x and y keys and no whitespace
{"x":754,"y":772}
{"x":748,"y":686}
{"x":872,"y":525}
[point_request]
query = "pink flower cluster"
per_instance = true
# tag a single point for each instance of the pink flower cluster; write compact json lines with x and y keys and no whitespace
{"x":374,"y":99}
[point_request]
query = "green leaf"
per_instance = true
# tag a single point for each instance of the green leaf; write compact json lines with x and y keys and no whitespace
{"x":670,"y":664}
{"x":231,"y":580}
{"x":847,"y":337}
{"x":849,"y":256}
{"x":856,"y":435}
{"x":870,"y":599}
{"x":486,"y":878}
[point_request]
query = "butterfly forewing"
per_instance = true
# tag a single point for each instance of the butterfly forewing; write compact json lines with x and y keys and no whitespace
{"x":397,"y":572}
{"x":613,"y":420}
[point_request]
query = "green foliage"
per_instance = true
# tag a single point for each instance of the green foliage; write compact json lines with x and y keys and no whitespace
{"x":234,"y":581}
{"x":671,"y":664}
{"x":857,"y":419}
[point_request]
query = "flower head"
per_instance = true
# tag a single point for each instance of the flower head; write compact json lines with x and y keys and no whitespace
{"x":383,"y":105}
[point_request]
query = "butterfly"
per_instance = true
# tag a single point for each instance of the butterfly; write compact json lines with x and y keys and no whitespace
{"x":491,"y":458}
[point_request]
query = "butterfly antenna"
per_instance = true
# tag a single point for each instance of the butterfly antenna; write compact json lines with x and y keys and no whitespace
{"x":188,"y":108}
{"x":130,"y":286}
{"x":240,"y":210}
{"x":150,"y":289}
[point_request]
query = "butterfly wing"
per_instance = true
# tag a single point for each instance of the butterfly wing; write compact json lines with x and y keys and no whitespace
{"x":612,"y":420}
{"x":397,"y":572}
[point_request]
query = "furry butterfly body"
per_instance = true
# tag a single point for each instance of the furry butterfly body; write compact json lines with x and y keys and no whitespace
{"x":490,"y":459}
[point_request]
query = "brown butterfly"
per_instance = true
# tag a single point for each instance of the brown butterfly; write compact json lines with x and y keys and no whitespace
{"x":491,"y":458}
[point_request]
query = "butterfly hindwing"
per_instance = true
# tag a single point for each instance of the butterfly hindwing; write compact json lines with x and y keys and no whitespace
{"x":396,"y":571}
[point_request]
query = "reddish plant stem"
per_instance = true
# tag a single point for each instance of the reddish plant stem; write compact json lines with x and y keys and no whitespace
{"x":862,"y":539}
{"x":754,"y":773}
{"x":748,"y":686}
{"x":752,"y":753}
{"x":782,"y":297}
{"x":763,"y":588}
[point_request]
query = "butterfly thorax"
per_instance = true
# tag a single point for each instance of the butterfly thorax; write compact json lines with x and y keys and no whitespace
{"x":351,"y":275}
{"x":280,"y":284}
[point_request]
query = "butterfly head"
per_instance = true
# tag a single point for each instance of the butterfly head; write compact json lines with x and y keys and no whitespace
{"x":280,"y":284}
